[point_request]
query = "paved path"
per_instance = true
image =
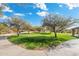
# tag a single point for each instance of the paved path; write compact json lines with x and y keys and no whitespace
{"x":69,"y":48}
{"x":9,"y":49}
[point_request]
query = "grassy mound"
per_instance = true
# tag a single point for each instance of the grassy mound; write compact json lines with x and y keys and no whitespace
{"x":39,"y":40}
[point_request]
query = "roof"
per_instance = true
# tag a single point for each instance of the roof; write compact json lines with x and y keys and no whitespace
{"x":74,"y":26}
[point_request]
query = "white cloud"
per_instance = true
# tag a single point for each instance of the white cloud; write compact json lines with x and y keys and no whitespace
{"x":4,"y":17}
{"x":41,"y":6}
{"x":57,"y":13}
{"x":30,"y":13}
{"x":19,"y":14}
{"x":43,"y":13}
{"x":7,"y":9}
{"x":60,"y":6}
{"x":34,"y":6}
{"x":72,"y":5}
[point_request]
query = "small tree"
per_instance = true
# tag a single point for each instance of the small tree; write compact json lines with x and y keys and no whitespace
{"x":19,"y":24}
{"x":56,"y":23}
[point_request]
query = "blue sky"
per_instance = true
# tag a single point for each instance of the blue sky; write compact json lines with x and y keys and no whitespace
{"x":35,"y":12}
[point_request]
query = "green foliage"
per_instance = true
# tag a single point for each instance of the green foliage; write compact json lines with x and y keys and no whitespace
{"x":30,"y":45}
{"x":19,"y":24}
{"x":39,"y":40}
{"x":3,"y":28}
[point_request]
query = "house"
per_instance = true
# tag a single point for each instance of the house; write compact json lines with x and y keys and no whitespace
{"x":74,"y":29}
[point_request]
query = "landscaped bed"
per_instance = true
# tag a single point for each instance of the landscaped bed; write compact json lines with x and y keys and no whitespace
{"x":39,"y":40}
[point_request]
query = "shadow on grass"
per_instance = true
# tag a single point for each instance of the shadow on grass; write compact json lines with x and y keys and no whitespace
{"x":35,"y":39}
{"x":38,"y":41}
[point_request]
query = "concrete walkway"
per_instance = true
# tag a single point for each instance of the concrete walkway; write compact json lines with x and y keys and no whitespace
{"x":9,"y":49}
{"x":69,"y":48}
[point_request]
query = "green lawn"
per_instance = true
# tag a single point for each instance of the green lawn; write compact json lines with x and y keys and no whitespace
{"x":39,"y":40}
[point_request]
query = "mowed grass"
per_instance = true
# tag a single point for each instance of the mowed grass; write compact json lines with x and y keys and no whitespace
{"x":39,"y":40}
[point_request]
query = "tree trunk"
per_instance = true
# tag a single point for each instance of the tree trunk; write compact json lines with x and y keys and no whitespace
{"x":18,"y":32}
{"x":55,"y":33}
{"x":73,"y":32}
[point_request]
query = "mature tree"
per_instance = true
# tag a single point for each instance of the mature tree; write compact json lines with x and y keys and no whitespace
{"x":56,"y":22}
{"x":19,"y":24}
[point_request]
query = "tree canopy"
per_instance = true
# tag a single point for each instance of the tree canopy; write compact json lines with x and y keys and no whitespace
{"x":56,"y":22}
{"x":19,"y":24}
